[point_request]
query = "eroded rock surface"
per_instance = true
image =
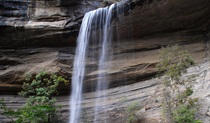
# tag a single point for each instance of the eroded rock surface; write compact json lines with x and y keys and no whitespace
{"x":42,"y":22}
{"x":56,"y":23}
{"x":146,"y":94}
{"x":146,"y":27}
{"x":131,"y":61}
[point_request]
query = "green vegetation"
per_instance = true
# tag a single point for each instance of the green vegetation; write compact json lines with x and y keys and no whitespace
{"x":177,"y":106}
{"x":184,"y":114}
{"x":173,"y":62}
{"x":131,"y":113}
{"x":40,"y":105}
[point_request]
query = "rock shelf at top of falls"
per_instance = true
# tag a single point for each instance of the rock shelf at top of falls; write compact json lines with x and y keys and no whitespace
{"x":56,"y":23}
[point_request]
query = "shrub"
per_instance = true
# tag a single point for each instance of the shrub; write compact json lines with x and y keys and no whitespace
{"x":173,"y":63}
{"x":185,"y":114}
{"x":40,"y":105}
{"x":130,"y":112}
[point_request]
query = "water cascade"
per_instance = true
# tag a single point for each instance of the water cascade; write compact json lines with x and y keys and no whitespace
{"x":96,"y":29}
{"x":79,"y":68}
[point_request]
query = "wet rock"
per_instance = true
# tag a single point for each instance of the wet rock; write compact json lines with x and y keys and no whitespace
{"x":131,"y":62}
{"x":57,"y":22}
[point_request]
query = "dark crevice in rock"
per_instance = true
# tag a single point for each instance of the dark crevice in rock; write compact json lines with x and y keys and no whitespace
{"x":115,"y":82}
{"x":138,"y":67}
{"x":141,"y":49}
{"x":192,"y":31}
{"x":5,"y":61}
{"x":133,"y":90}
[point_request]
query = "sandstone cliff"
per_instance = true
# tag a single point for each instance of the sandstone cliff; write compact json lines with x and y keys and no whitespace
{"x":41,"y":35}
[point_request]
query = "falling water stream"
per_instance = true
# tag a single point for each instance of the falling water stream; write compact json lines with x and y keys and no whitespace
{"x":96,"y":28}
{"x":79,"y":68}
{"x":102,"y":82}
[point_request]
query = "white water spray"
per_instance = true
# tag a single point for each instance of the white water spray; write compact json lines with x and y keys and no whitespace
{"x":96,"y":28}
{"x":79,"y":67}
{"x":102,"y":82}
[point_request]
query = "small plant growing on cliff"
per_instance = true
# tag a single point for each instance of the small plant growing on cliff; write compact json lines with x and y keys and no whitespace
{"x":185,"y":114}
{"x":131,"y":114}
{"x":40,"y":105}
{"x":40,"y":88}
{"x":173,"y":63}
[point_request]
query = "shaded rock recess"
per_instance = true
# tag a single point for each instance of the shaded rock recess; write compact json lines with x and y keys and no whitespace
{"x":40,"y":35}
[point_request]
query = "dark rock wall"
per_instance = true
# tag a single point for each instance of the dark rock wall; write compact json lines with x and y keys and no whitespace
{"x":140,"y":30}
{"x":42,"y":22}
{"x":57,"y":22}
{"x":152,"y":17}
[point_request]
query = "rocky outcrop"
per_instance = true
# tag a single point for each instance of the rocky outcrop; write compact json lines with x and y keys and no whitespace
{"x":56,"y":23}
{"x":141,"y":29}
{"x":151,"y":17}
{"x":42,"y":22}
{"x":146,"y":26}
{"x":147,"y":96}
{"x":132,"y":61}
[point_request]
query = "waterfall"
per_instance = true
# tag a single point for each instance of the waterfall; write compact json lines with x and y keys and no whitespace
{"x":79,"y":67}
{"x":103,"y":82}
{"x":102,"y":18}
{"x":96,"y":29}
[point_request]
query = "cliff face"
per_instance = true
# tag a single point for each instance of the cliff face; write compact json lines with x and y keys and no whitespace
{"x":141,"y":29}
{"x":56,"y":22}
{"x":41,"y":35}
{"x":42,"y":22}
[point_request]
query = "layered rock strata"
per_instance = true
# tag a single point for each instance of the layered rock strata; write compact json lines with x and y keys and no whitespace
{"x":146,"y":27}
{"x":56,"y":23}
{"x":146,"y":95}
{"x":133,"y":61}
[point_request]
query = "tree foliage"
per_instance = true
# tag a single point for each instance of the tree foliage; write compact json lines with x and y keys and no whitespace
{"x":176,"y":107}
{"x":131,"y":116}
{"x":185,"y":114}
{"x":173,"y":62}
{"x":40,"y":105}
